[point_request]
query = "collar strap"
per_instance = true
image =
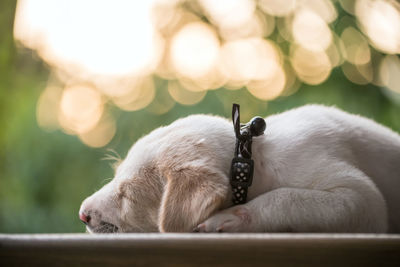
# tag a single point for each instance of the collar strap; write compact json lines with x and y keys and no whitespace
{"x":242,"y":166}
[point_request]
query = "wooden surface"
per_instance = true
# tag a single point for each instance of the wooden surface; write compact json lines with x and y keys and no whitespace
{"x":200,"y":250}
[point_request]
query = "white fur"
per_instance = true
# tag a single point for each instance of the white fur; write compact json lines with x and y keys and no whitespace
{"x":317,"y":169}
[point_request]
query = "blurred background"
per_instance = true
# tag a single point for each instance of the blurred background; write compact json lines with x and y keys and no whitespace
{"x":83,"y":79}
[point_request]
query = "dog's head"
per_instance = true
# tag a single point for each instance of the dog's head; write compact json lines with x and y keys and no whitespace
{"x":171,"y":180}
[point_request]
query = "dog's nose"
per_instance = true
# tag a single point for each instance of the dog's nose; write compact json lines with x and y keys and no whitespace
{"x":84,"y":218}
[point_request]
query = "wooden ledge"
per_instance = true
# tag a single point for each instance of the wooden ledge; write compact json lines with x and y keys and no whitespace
{"x":200,"y":250}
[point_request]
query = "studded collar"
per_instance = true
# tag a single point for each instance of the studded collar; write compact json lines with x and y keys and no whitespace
{"x":242,"y":166}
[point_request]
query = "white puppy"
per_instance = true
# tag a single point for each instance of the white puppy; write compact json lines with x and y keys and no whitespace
{"x":316,"y":169}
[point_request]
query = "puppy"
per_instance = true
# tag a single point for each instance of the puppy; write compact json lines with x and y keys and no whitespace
{"x":316,"y":169}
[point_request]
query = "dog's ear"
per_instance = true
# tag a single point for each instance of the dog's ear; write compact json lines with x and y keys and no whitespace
{"x":190,"y":197}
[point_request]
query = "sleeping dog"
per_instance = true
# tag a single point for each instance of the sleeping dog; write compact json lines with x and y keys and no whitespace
{"x":316,"y":169}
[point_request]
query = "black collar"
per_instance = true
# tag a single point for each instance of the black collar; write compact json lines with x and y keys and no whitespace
{"x":242,"y":167}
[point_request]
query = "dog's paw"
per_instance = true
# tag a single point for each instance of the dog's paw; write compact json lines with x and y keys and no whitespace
{"x":235,"y":219}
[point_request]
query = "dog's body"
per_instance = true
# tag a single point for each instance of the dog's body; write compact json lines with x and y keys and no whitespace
{"x":316,"y":169}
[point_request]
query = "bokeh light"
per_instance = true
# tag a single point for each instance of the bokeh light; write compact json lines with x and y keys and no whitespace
{"x":140,"y":95}
{"x":101,"y":134}
{"x":81,"y":34}
{"x":312,"y":67}
{"x":162,"y":102}
{"x":356,"y":47}
{"x":194,"y":50}
{"x":271,"y":88}
{"x":81,"y":107}
{"x":221,"y":12}
{"x":277,"y":7}
{"x":310,"y":30}
{"x":249,"y":59}
{"x":358,"y":74}
{"x":183,"y":96}
{"x":325,"y":9}
{"x":390,"y":73}
{"x":104,"y":53}
{"x":47,"y":108}
{"x":380,"y":20}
